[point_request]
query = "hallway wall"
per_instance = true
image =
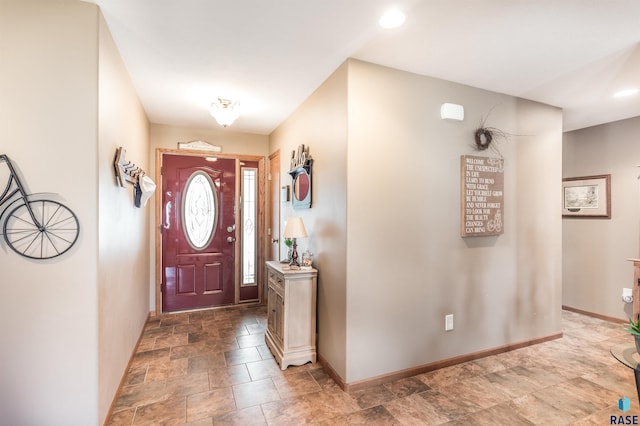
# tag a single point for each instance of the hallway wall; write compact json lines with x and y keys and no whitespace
{"x":408,"y":266}
{"x":69,"y":325}
{"x":321,"y":124}
{"x":123,"y":229}
{"x":49,"y":126}
{"x":387,"y":238}
{"x":595,"y":269}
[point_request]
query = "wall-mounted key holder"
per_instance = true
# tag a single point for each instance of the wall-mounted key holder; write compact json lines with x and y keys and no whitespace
{"x":126,"y":171}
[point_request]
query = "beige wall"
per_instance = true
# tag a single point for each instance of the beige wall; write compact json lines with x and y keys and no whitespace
{"x":407,"y":264}
{"x":49,"y":124}
{"x":232,"y":142}
{"x":69,"y":325}
{"x":394,"y":257}
{"x":165,"y":136}
{"x":123,"y":251}
{"x":321,"y":123}
{"x":594,"y":250}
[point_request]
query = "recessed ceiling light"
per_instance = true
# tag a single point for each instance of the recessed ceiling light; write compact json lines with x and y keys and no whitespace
{"x":626,"y":92}
{"x":392,"y":19}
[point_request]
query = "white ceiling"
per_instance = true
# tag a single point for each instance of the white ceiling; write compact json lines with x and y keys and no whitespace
{"x":272,"y":54}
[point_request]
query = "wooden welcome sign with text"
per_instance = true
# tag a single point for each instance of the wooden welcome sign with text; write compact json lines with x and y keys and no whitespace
{"x":482,"y":196}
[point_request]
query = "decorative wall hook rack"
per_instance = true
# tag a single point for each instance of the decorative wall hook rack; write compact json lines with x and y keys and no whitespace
{"x":129,"y":172}
{"x":126,"y":170}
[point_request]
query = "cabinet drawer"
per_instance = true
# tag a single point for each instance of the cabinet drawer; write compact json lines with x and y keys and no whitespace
{"x":276,"y":280}
{"x":276,"y":289}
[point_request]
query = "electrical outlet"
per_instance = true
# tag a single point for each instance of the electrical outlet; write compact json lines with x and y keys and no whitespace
{"x":448,"y":322}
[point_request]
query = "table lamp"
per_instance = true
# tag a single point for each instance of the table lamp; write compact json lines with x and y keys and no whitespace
{"x":294,"y":229}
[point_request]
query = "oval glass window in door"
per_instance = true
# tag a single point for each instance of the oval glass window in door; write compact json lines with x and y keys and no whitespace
{"x":199,"y":210}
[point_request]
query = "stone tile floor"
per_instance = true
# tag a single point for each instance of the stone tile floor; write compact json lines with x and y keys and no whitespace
{"x":213,"y":367}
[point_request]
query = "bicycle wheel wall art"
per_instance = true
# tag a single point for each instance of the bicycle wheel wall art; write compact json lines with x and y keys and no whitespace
{"x":32,"y":225}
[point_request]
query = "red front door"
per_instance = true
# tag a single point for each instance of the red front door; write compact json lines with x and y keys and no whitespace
{"x":198,"y":236}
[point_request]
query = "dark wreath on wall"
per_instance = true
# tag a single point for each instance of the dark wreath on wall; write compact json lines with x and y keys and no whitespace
{"x":484,"y":136}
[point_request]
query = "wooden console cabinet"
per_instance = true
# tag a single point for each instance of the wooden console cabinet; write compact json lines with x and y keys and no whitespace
{"x":291,"y":310}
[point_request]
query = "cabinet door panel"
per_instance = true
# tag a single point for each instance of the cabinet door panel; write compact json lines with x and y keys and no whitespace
{"x":299,"y":332}
{"x":271,"y":312}
{"x":279,"y":318}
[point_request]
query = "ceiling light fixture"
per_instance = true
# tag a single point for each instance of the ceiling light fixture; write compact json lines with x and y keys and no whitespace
{"x":225,"y":112}
{"x":392,"y":19}
{"x":625,"y":92}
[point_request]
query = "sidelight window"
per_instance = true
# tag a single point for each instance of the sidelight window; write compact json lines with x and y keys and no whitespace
{"x":249,"y":223}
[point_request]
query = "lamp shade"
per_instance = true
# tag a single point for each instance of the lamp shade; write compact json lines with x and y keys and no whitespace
{"x":294,"y":228}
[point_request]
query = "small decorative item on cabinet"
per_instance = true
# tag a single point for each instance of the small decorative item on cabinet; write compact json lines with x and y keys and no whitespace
{"x":294,"y":229}
{"x":289,"y":243}
{"x":307,"y":260}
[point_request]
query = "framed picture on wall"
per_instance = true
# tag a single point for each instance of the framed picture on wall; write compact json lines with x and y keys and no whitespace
{"x":587,"y":197}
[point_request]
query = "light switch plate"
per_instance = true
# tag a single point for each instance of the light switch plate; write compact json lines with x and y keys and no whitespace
{"x":448,"y":322}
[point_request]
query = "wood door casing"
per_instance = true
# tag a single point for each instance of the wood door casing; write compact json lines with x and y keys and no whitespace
{"x":274,"y":207}
{"x":160,"y":154}
{"x":197,"y":276}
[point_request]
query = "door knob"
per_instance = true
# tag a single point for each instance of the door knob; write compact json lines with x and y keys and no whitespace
{"x":231,"y":228}
{"x":274,"y":240}
{"x":230,"y":239}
